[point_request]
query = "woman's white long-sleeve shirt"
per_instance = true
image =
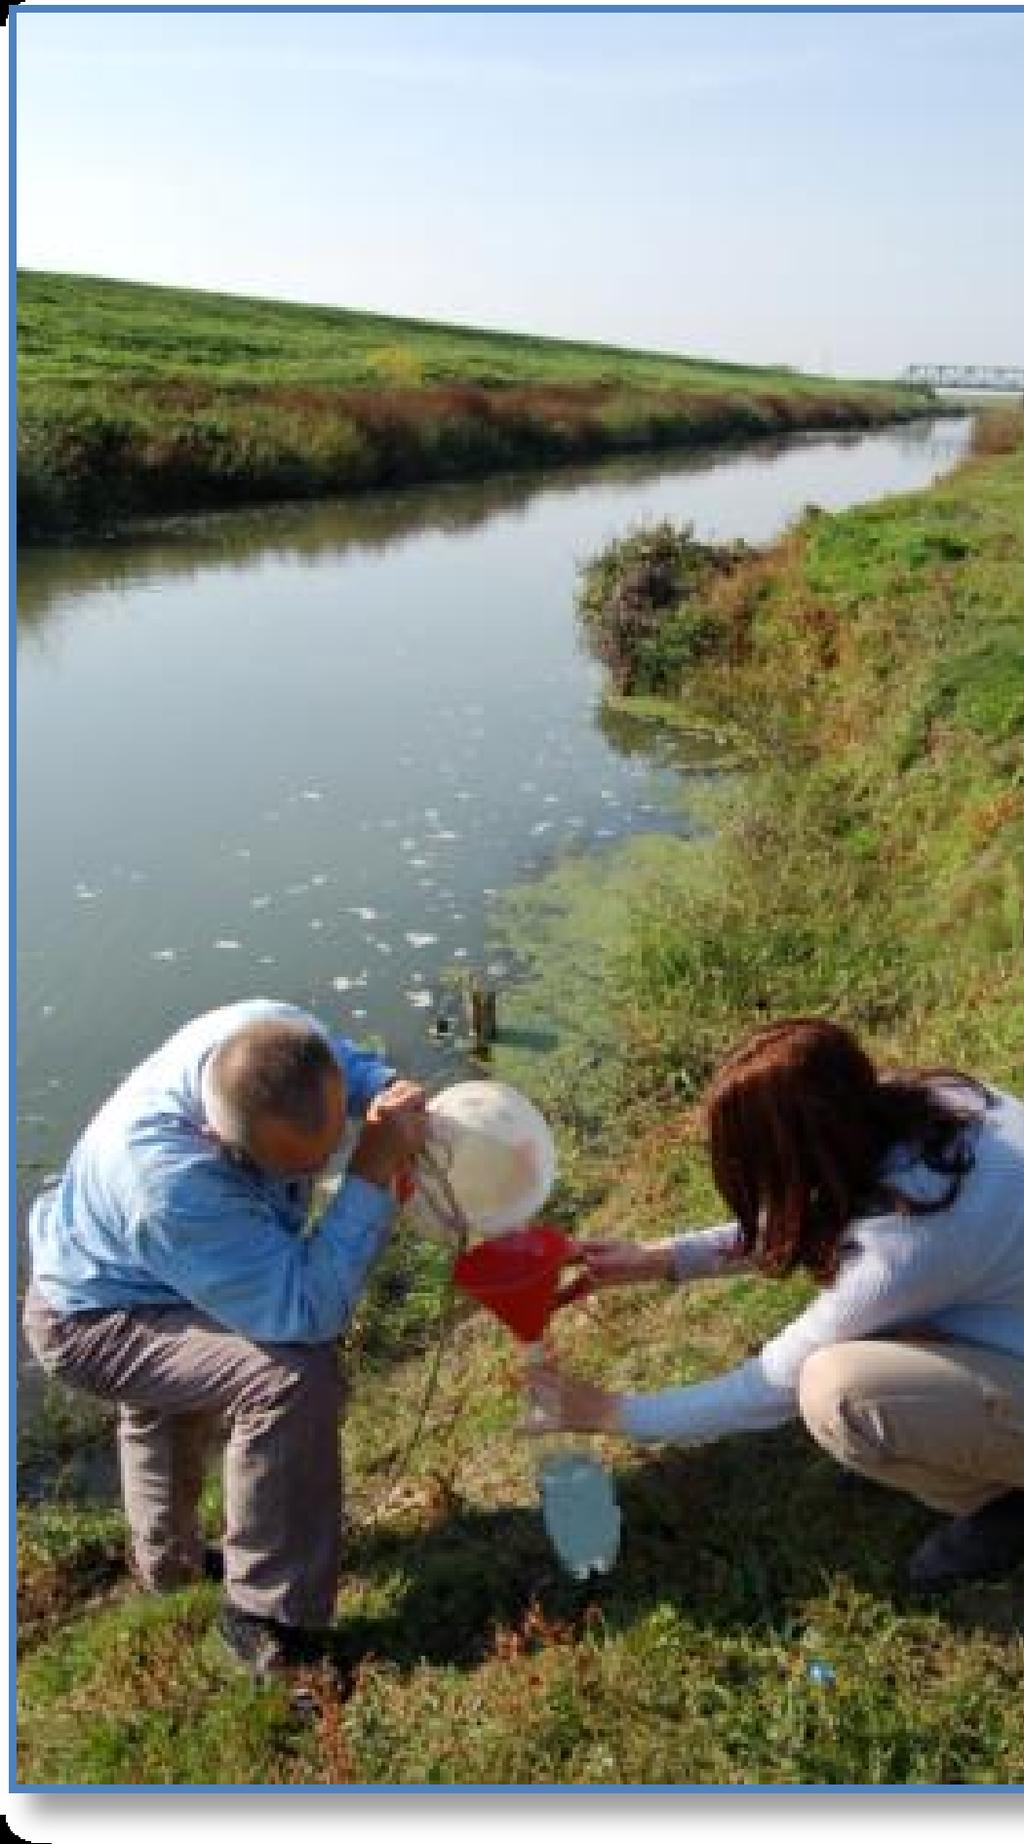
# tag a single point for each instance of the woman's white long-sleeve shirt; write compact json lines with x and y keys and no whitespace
{"x":960,"y":1271}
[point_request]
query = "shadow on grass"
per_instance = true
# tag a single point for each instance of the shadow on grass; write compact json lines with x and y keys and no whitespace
{"x":741,"y":1538}
{"x":744,"y":1540}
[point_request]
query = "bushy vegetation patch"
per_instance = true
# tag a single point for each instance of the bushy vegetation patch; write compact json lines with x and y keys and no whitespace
{"x":646,"y":607}
{"x":137,"y":401}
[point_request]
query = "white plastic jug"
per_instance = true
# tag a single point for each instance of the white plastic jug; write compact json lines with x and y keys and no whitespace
{"x":496,"y":1154}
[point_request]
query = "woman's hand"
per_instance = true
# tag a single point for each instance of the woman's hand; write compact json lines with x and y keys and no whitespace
{"x":560,"y":1403}
{"x":616,"y":1264}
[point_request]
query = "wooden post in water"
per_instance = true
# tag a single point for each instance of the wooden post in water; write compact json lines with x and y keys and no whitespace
{"x":482,"y":1016}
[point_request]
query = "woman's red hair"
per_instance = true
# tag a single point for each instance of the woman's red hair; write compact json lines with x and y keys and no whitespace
{"x":801,"y":1125}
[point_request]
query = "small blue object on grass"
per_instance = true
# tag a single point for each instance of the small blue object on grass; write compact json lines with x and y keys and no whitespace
{"x":821,"y":1672}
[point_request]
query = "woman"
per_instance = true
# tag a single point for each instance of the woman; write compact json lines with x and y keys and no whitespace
{"x":903,"y":1195}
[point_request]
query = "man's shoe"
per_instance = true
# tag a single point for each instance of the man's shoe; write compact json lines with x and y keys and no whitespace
{"x":980,"y":1547}
{"x":265,"y":1647}
{"x":252,"y":1644}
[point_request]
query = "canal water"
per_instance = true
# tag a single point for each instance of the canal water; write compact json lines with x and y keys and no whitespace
{"x":300,"y":752}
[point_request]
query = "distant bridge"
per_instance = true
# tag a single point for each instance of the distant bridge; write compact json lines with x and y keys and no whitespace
{"x":967,"y":377}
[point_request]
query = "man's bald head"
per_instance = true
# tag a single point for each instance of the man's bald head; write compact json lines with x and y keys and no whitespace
{"x":275,"y":1093}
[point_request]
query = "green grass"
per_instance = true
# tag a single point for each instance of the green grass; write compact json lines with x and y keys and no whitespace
{"x":869,"y":862}
{"x":111,"y":328}
{"x":874,"y":864}
{"x":141,"y":401}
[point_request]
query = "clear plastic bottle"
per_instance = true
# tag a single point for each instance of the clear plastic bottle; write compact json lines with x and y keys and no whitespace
{"x":580,"y":1511}
{"x":578,"y":1504}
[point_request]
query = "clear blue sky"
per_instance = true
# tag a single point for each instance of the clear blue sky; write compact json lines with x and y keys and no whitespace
{"x":837,"y":192}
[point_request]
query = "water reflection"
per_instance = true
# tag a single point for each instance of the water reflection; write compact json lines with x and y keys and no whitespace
{"x":49,"y":578}
{"x":650,"y":738}
{"x":53,"y":579}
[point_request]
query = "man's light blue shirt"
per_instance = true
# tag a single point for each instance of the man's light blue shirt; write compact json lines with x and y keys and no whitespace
{"x":151,"y":1212}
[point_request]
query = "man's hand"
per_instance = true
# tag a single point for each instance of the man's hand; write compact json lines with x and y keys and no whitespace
{"x":408,"y":1099}
{"x":395,"y":1132}
{"x":616,"y":1264}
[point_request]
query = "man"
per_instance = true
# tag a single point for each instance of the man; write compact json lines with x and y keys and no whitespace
{"x":171,"y":1274}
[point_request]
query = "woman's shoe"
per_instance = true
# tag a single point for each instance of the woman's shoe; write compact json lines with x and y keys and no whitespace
{"x":982,"y":1546}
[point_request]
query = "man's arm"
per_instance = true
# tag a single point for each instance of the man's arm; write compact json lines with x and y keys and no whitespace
{"x":366,"y":1074}
{"x":212,"y":1237}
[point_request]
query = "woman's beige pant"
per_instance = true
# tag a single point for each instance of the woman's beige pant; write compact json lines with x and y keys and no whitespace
{"x":182,"y":1381}
{"x":941,"y":1420}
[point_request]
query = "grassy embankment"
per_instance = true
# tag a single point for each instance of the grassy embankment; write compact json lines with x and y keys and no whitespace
{"x":870,"y":862}
{"x":138,"y":401}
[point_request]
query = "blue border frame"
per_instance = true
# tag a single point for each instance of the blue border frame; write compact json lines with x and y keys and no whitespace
{"x":582,"y":11}
{"x":12,"y":703}
{"x":360,"y":1787}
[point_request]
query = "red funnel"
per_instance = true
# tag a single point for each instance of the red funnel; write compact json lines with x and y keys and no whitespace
{"x":516,"y":1276}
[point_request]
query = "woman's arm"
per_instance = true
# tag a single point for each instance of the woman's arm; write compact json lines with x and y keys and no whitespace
{"x":697,"y":1255}
{"x":896,"y":1272}
{"x":742,"y":1401}
{"x":702,"y":1254}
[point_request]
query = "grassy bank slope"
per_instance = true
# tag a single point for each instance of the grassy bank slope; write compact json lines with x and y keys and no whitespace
{"x":870,"y":864}
{"x":136,"y":400}
{"x":873,"y":864}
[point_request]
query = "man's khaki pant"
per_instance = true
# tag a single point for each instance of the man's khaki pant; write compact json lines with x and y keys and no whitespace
{"x":181,"y":1382}
{"x":941,"y":1420}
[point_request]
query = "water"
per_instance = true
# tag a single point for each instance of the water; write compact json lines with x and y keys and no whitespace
{"x":299,"y":752}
